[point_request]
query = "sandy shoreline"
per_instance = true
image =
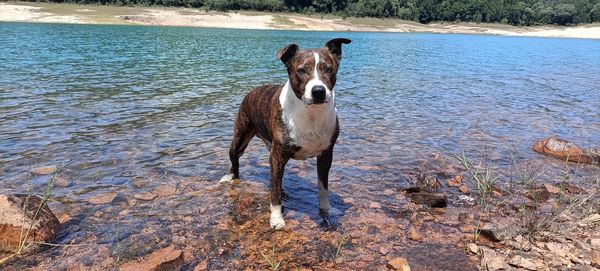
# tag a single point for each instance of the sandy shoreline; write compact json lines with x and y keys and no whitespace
{"x":94,"y":14}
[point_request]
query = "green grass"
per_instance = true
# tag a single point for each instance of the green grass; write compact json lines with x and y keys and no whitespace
{"x":271,"y":260}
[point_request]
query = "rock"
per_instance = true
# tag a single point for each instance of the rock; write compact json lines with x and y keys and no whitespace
{"x":374,"y":205}
{"x":590,"y":220}
{"x":44,"y":170}
{"x":398,"y":264}
{"x":388,"y":192}
{"x":473,"y":248}
{"x":437,"y":200}
{"x":384,"y":250}
{"x":202,"y":266}
{"x":595,"y":258}
{"x":103,"y":198}
{"x":595,"y":243}
{"x":551,"y":188}
{"x":464,"y":189}
{"x":492,"y":261}
{"x":165,"y":190}
{"x":62,"y":182}
{"x":572,"y":188}
{"x":538,"y":194}
{"x":560,"y":148}
{"x":18,"y":212}
{"x":413,"y":234}
{"x":498,"y":232}
{"x":524,"y":262}
{"x":164,"y":259}
{"x":145,"y":196}
{"x":456,"y":181}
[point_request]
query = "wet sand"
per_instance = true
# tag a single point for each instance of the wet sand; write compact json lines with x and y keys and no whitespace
{"x":91,"y":14}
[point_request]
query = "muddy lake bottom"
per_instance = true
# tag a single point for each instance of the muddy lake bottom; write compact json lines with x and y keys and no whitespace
{"x":139,"y":120}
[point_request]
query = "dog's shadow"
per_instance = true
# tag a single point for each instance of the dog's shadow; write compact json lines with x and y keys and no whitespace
{"x":300,"y":194}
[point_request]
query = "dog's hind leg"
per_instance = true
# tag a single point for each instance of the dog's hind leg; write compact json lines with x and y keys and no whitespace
{"x":242,"y":134}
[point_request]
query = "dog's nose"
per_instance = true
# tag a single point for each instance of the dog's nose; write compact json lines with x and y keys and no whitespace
{"x":318,"y":94}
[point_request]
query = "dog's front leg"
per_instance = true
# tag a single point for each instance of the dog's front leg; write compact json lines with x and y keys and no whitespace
{"x":323,"y":166}
{"x":277,"y":160}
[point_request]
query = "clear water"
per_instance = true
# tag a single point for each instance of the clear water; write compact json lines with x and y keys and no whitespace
{"x":116,"y":103}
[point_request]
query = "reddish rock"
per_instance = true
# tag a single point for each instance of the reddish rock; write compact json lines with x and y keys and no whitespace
{"x":103,"y":198}
{"x":44,"y":170}
{"x":464,"y":189}
{"x":18,"y":213}
{"x":560,"y":148}
{"x":551,"y":188}
{"x":456,"y":181}
{"x":538,"y":194}
{"x":145,"y":196}
{"x":413,"y":234}
{"x":164,"y":259}
{"x":398,"y":264}
{"x":374,"y":205}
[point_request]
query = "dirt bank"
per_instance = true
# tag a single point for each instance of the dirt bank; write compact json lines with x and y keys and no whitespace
{"x":90,"y":14}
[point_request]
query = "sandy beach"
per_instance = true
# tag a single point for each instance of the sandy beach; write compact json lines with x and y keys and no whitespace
{"x":94,"y":14}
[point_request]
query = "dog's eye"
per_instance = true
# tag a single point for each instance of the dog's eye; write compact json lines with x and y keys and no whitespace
{"x":329,"y":70}
{"x":301,"y":71}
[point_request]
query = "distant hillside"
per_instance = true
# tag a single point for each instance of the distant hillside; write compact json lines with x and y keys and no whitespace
{"x":528,"y":12}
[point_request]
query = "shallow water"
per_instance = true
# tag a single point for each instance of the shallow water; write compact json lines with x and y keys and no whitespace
{"x":116,"y":103}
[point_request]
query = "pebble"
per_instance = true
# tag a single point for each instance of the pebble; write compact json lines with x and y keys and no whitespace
{"x":399,"y":264}
{"x":44,"y":170}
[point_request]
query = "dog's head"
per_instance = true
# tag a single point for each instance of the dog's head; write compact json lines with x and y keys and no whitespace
{"x":312,"y":73}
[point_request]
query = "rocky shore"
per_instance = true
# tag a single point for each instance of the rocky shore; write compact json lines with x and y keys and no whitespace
{"x":445,"y":219}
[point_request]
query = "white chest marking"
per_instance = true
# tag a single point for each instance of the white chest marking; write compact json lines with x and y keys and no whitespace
{"x":310,"y":126}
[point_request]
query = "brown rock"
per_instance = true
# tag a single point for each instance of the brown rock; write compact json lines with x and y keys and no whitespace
{"x":17,"y":213}
{"x":374,"y":205}
{"x":595,"y":258}
{"x":551,"y":188}
{"x":103,"y":198}
{"x":538,"y":194}
{"x":398,"y":264}
{"x":413,"y":234}
{"x":464,"y":189}
{"x":430,"y":199}
{"x":498,"y":231}
{"x":524,"y":262}
{"x":62,"y":182}
{"x":165,"y":190}
{"x":164,"y":259}
{"x":44,"y":170}
{"x":456,"y":181}
{"x":145,"y":196}
{"x":492,"y":261}
{"x":202,"y":266}
{"x":560,"y":148}
{"x":473,"y":248}
{"x":571,"y":188}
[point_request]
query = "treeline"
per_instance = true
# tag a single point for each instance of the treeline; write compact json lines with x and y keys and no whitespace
{"x":523,"y":12}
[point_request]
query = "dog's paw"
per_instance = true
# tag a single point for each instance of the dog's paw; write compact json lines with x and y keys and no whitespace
{"x":277,"y":222}
{"x":226,"y":178}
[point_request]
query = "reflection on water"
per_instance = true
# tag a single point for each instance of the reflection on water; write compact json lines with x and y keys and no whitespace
{"x":126,"y":102}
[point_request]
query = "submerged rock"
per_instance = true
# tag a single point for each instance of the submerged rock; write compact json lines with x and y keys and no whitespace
{"x":19,"y":213}
{"x":165,"y":259}
{"x":563,"y":149}
{"x":44,"y":170}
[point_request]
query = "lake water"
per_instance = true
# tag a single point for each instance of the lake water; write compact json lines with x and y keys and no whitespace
{"x":115,"y":103}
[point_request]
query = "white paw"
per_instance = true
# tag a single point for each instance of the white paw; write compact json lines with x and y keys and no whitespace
{"x":226,"y":178}
{"x":276,"y":220}
{"x":277,"y":223}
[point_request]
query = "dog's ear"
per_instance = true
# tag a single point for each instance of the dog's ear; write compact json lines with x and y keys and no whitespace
{"x":335,"y":46}
{"x":286,"y":53}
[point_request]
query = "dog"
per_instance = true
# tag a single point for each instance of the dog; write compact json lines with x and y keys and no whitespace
{"x":297,"y":120}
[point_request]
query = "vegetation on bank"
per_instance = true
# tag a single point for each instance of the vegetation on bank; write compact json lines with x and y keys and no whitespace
{"x":515,"y":12}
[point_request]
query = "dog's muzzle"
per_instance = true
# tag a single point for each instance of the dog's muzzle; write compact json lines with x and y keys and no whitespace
{"x":318,"y":94}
